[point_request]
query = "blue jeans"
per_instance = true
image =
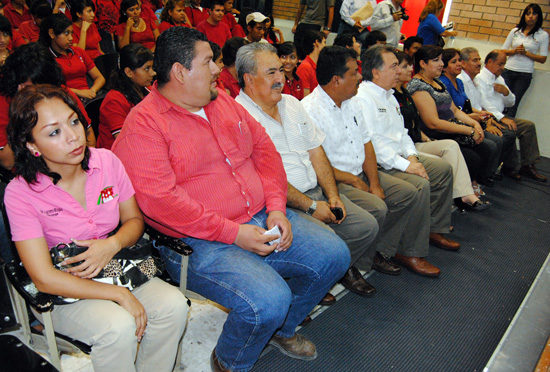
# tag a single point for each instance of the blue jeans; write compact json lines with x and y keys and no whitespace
{"x":518,"y":82}
{"x":265,"y":294}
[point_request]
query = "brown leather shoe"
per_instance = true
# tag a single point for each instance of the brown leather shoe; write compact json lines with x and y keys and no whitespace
{"x":328,"y":300}
{"x":417,"y":265}
{"x":509,"y":172}
{"x":297,"y":346}
{"x":354,"y":281}
{"x":444,"y":243}
{"x":215,"y":364}
{"x":384,"y":265}
{"x":531,"y":171}
{"x":306,"y":321}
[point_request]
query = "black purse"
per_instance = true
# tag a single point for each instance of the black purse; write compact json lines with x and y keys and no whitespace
{"x":131,"y":267}
{"x":466,"y":140}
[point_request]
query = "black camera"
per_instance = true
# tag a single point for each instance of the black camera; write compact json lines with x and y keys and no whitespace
{"x":404,"y":15}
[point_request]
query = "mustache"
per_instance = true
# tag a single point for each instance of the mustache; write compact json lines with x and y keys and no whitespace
{"x":277,"y":86}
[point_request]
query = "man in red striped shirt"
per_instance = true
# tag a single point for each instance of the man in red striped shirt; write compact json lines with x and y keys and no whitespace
{"x":204,"y":170}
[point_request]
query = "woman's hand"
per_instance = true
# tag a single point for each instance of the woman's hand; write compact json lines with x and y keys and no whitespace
{"x":131,"y":304}
{"x":98,"y":254}
{"x":85,"y":93}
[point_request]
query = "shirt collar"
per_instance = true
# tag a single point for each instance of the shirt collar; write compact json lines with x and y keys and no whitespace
{"x":378,"y":90}
{"x":327,"y":100}
{"x":486,"y":71}
{"x":57,"y":55}
{"x":249,"y":101}
{"x":164,"y":105}
{"x":43,"y":181}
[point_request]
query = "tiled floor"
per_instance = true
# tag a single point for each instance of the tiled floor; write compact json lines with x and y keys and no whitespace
{"x":205,"y":322}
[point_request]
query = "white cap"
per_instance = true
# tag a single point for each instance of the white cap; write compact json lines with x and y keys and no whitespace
{"x":256,"y":17}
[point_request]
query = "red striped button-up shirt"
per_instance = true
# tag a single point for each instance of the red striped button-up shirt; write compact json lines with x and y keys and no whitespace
{"x":200,"y":178}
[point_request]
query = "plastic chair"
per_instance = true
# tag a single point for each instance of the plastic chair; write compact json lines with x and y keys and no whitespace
{"x":92,"y":109}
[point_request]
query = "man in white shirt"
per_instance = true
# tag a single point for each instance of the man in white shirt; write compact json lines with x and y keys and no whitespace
{"x":495,"y":96}
{"x":396,"y":153}
{"x":388,"y":18}
{"x":350,"y":150}
{"x":312,"y":191}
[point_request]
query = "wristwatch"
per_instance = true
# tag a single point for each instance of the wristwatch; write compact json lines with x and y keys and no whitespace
{"x":312,"y":208}
{"x":326,"y":28}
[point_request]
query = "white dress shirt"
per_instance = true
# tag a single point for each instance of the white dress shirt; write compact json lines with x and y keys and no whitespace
{"x":471,"y":90}
{"x":490,"y":100}
{"x":382,"y":20}
{"x":293,"y":139}
{"x":346,"y":134}
{"x":380,"y":111}
{"x":351,"y":6}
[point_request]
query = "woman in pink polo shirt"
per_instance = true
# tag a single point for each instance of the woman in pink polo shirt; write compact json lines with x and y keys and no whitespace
{"x":63,"y":192}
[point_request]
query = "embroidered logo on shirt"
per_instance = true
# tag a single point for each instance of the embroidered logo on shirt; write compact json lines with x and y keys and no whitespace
{"x":106,"y":195}
{"x":52,"y":212}
{"x":382,"y":110}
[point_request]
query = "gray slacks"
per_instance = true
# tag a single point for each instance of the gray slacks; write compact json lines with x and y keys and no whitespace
{"x":358,"y":230}
{"x":528,"y":145}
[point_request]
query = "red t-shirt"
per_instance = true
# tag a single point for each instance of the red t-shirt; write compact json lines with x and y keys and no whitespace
{"x":107,"y":13}
{"x":166,"y":25}
{"x":4,"y":115}
{"x":147,"y":12}
{"x":92,"y":39}
{"x":219,"y":33}
{"x":75,"y":64}
{"x":294,"y":88}
{"x":114,"y":109}
{"x":16,"y":40}
{"x":307,"y":73}
{"x":196,"y":15}
{"x":230,"y":83}
{"x":14,"y":17}
{"x":30,"y":31}
{"x":145,"y":37}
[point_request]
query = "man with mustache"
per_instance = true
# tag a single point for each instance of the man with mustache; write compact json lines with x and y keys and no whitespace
{"x":378,"y":110}
{"x":205,"y":171}
{"x":312,"y":191}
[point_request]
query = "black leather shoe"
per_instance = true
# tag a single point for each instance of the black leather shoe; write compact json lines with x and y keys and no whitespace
{"x":306,"y":321}
{"x":354,"y":281}
{"x":531,"y":171}
{"x":328,"y":300}
{"x":384,"y":265}
{"x":479,"y":205}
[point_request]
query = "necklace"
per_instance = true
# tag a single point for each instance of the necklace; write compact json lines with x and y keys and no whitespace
{"x":439,"y":88}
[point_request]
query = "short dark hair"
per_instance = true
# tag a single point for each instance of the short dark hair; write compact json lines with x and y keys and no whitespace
{"x":309,"y":39}
{"x":78,"y":6}
{"x":286,"y":48}
{"x":332,"y":62}
{"x":124,"y":6}
{"x":23,"y":118}
{"x":216,"y":50}
{"x":40,"y":9}
{"x":5,"y":25}
{"x":230,"y":49}
{"x":492,"y":56}
{"x":57,"y":22}
{"x":344,"y":40}
{"x":448,"y":54}
{"x":373,"y":37}
{"x":407,"y":44}
{"x":425,"y":53}
{"x":372,"y":59}
{"x":402,"y":56}
{"x":30,"y":62}
{"x":175,"y":45}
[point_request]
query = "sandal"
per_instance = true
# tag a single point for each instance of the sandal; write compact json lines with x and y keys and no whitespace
{"x":478,"y":191}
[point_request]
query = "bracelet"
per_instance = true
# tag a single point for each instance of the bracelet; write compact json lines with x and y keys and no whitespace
{"x":473,"y":133}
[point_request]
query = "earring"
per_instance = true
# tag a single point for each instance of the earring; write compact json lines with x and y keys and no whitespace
{"x":37,"y":154}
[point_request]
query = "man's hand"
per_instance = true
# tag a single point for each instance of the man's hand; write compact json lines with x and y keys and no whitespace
{"x":511,"y":124}
{"x":493,"y":129}
{"x":499,"y":88}
{"x":378,"y":191}
{"x":397,"y":16}
{"x":285,"y":227}
{"x":294,"y":29}
{"x":416,"y":168}
{"x":358,"y":183}
{"x":323,"y":213}
{"x":336,"y":202}
{"x":358,"y":26}
{"x":251,"y":238}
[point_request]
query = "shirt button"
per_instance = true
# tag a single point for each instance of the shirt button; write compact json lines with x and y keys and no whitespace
{"x":90,"y":221}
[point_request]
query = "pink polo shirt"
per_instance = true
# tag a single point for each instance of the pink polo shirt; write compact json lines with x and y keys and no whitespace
{"x":46,"y":210}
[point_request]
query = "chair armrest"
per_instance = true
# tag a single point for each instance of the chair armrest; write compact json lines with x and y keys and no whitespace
{"x":175,"y":244}
{"x":21,"y":281}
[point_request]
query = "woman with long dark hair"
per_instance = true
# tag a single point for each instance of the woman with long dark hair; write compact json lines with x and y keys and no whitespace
{"x":66,"y":192}
{"x":128,"y":86}
{"x":526,"y":44}
{"x":133,"y":28}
